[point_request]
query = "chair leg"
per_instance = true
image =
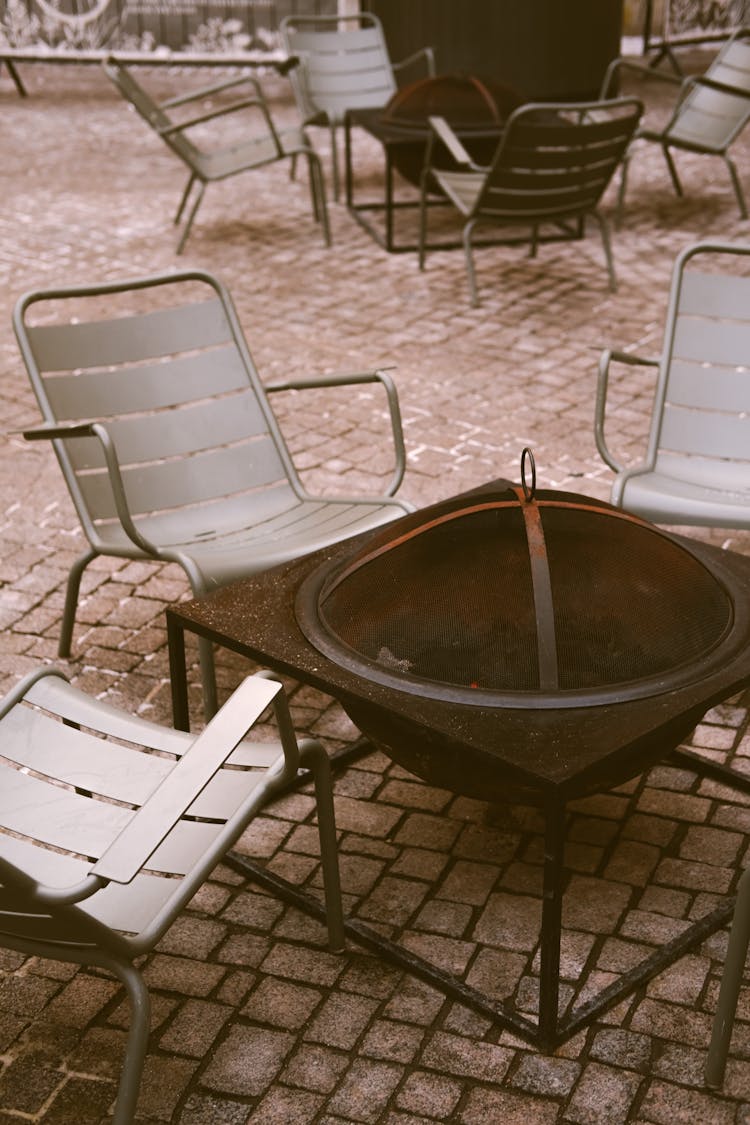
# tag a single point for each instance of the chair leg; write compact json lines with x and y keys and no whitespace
{"x":318,"y":193}
{"x":737,"y":186}
{"x":534,"y":243}
{"x":422,"y":222}
{"x":71,"y":602}
{"x":17,"y":81}
{"x":739,"y":938}
{"x":620,"y":205}
{"x":314,"y":756}
{"x":607,"y":244}
{"x":137,"y":1043}
{"x":468,"y":253}
{"x":191,"y":216}
{"x":184,"y":198}
{"x":208,"y":678}
{"x":672,"y":170}
{"x":335,"y":165}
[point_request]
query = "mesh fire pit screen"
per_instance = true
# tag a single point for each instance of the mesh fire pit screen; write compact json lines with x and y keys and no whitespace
{"x":520,"y":600}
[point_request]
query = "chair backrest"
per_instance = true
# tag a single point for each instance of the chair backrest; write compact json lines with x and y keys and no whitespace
{"x":555,"y":160}
{"x":151,"y":112}
{"x":173,"y":380}
{"x":344,"y":64}
{"x":700,"y":430}
{"x":711,"y":118}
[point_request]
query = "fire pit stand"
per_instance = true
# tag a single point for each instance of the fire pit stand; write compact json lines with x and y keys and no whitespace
{"x":475,"y":108}
{"x":394,"y":138}
{"x":544,"y":746}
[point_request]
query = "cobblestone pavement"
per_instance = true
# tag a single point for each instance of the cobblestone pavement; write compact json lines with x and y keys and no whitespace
{"x":254,"y":1021}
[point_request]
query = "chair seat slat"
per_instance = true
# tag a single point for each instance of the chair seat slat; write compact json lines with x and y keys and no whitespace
{"x":187,"y":480}
{"x":73,"y":757}
{"x":127,"y":909}
{"x":53,"y":693}
{"x":58,"y":817}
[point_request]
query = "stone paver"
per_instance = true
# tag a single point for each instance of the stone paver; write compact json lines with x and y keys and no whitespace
{"x":253,"y":1019}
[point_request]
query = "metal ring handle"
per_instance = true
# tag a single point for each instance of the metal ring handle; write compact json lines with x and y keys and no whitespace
{"x":527,"y":457}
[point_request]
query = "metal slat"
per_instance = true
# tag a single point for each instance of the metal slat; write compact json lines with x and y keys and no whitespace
{"x":74,"y":757}
{"x":174,"y":433}
{"x":709,"y":387}
{"x":187,"y":482}
{"x":712,"y":341}
{"x":715,"y":295}
{"x":705,"y":433}
{"x":129,"y":339}
{"x":131,"y":389}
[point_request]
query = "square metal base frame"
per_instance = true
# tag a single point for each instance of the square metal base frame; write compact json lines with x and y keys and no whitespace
{"x":549,"y":1031}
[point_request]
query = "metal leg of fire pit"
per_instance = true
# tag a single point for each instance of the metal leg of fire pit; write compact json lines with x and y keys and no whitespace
{"x":385,"y":236}
{"x":549,"y":946}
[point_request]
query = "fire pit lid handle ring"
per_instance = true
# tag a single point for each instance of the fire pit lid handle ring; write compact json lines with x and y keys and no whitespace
{"x":527,"y":460}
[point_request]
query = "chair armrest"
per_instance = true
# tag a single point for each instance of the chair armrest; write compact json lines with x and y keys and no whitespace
{"x":426,"y":53}
{"x":223,"y":111}
{"x":207,"y":91}
{"x":607,"y":357}
{"x":50,"y":430}
{"x":357,"y":378}
{"x":98,"y":430}
{"x":257,"y":101}
{"x":443,"y":131}
{"x":155,"y":819}
{"x":640,"y":68}
{"x":49,"y":897}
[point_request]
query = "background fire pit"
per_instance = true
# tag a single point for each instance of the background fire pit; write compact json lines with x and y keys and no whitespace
{"x":469,"y":104}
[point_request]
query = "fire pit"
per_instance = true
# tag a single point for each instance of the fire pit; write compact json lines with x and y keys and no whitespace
{"x":471,"y":105}
{"x":507,"y":644}
{"x":476,"y":108}
{"x":522,"y":600}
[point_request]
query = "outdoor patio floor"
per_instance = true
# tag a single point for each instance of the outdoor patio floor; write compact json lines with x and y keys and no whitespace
{"x":254,"y":1020}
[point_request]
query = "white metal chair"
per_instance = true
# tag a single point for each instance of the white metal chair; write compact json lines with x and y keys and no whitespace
{"x":245,"y":151}
{"x":109,"y":824}
{"x":344,"y":64}
{"x":709,"y":114}
{"x":166,"y":439}
{"x":696,"y":470}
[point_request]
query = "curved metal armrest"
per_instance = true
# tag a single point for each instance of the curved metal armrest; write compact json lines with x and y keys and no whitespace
{"x":442,"y":130}
{"x":37,"y":895}
{"x":215,"y":88}
{"x":640,"y":68}
{"x":154,"y":820}
{"x":201,"y":118}
{"x":98,"y":430}
{"x":426,"y":53}
{"x":444,"y":133}
{"x":356,"y":378}
{"x":607,"y":357}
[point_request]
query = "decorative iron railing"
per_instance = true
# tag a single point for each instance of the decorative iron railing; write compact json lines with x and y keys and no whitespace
{"x":205,"y":26}
{"x":686,"y":17}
